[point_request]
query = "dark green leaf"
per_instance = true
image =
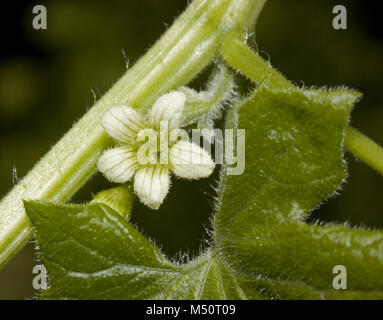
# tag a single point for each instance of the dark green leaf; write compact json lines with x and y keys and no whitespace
{"x":262,"y":248}
{"x":293,"y":162}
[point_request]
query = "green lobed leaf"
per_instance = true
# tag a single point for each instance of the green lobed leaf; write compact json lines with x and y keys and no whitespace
{"x":293,"y":162}
{"x":92,"y":252}
{"x":293,"y":155}
{"x":262,"y":248}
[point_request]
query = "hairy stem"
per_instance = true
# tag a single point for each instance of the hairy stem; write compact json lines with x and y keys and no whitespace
{"x":364,"y":148}
{"x":220,"y":86}
{"x":250,"y":64}
{"x":183,"y":51}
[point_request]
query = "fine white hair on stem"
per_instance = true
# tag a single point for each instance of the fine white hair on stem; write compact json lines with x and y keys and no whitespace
{"x":126,"y":58}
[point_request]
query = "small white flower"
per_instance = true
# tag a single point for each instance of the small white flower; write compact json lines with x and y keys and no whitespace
{"x":150,"y":162}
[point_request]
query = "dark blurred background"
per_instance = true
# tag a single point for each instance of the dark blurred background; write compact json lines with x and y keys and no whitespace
{"x":50,"y":78}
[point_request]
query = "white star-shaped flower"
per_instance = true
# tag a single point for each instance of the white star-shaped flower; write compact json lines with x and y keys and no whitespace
{"x":150,"y":163}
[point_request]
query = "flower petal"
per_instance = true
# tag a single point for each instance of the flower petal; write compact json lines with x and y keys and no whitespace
{"x":118,"y":164}
{"x":168,"y":107}
{"x":151,"y":185}
{"x":123,"y":123}
{"x":190,"y":161}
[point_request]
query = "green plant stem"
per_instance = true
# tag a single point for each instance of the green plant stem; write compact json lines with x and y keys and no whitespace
{"x":364,"y":148}
{"x":250,"y":64}
{"x":219,"y":87}
{"x":183,"y":51}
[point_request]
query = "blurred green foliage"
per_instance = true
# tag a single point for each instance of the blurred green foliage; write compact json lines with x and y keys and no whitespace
{"x":80,"y":56}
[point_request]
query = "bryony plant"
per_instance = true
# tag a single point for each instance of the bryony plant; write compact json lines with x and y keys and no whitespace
{"x":260,"y":245}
